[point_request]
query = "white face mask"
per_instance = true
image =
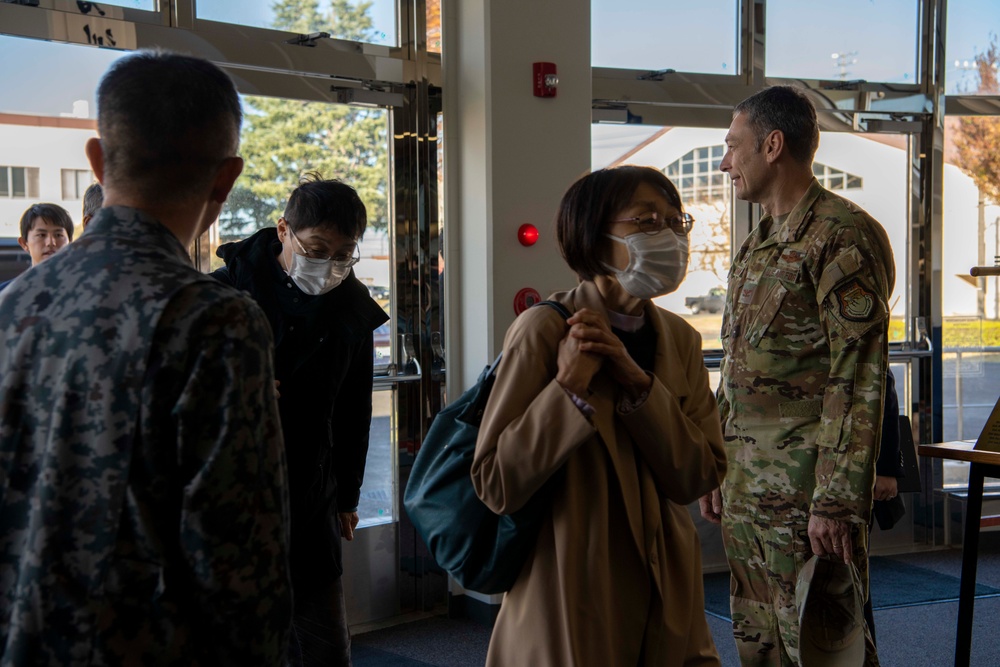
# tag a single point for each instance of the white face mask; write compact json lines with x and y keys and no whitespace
{"x":657,"y":263}
{"x":316,"y":276}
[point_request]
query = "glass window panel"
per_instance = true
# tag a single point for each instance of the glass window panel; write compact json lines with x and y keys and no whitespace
{"x":146,"y":5}
{"x":852,"y":44}
{"x":283,"y":139}
{"x":84,"y":177}
{"x":687,"y":167}
{"x":434,"y":26}
{"x":31,"y":176}
{"x":18,"y":184}
{"x":973,"y":26}
{"x":68,"y":184}
{"x":47,"y":114}
{"x":370,"y":21}
{"x":377,"y":499}
{"x":75,"y":183}
{"x":666,"y":34}
{"x":970,"y":307}
{"x":880,"y":167}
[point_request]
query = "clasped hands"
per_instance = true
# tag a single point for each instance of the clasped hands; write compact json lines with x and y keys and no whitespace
{"x":588,"y":344}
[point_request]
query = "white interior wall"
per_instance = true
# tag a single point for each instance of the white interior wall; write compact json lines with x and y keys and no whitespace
{"x":511,"y":156}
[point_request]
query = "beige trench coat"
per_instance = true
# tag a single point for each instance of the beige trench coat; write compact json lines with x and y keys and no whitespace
{"x":615,"y":578}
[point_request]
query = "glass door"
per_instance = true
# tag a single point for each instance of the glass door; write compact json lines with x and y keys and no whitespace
{"x":337,"y":103}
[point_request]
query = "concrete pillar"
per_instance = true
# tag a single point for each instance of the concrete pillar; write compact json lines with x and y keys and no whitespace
{"x":509,"y":156}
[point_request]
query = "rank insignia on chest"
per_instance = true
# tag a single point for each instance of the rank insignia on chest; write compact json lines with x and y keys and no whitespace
{"x":857,"y":304}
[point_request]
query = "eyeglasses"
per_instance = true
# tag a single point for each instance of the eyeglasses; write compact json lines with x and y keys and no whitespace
{"x":343,"y":261}
{"x":653,"y":224}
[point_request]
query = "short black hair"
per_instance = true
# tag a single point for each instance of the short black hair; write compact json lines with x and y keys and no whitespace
{"x":53,"y":213}
{"x":93,"y":199}
{"x":592,"y":203}
{"x":319,"y":202}
{"x":166,"y":123}
{"x":787,"y":109}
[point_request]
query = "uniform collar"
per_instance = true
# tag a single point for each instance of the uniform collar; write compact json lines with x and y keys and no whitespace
{"x":800,"y":216}
{"x":132,"y":224}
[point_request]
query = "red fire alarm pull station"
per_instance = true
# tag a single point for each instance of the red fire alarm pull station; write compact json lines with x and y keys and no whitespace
{"x":525,"y":299}
{"x":545,"y":78}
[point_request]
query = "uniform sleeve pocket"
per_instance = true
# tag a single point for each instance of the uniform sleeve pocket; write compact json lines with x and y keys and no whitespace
{"x":762,"y":321}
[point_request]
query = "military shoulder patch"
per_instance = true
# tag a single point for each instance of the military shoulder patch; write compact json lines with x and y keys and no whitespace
{"x":856,"y":302}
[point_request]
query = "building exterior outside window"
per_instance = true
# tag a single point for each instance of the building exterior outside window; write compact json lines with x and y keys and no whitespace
{"x":698,"y":178}
{"x":75,"y":182}
{"x":18,"y":182}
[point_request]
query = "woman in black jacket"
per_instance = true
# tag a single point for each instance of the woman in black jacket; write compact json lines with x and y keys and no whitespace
{"x":322,"y":318}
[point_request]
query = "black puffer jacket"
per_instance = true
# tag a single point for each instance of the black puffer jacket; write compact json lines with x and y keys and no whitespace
{"x":323,"y":360}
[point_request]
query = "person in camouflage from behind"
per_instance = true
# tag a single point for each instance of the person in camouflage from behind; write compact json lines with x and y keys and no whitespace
{"x":805,"y":336}
{"x":143,"y":502}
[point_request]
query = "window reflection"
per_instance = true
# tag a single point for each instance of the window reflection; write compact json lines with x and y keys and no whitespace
{"x":377,"y":499}
{"x":95,"y":8}
{"x":433,"y":26}
{"x":370,"y":21}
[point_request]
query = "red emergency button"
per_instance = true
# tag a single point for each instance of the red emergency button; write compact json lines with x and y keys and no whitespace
{"x":527,"y":234}
{"x":525,"y":299}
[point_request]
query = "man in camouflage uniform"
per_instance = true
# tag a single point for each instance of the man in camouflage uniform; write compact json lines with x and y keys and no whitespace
{"x":805,"y":340}
{"x":143,"y":504}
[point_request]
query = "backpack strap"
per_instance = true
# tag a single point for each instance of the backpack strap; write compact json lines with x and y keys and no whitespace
{"x":555,"y":305}
{"x":561,"y":309}
{"x":489,"y":374}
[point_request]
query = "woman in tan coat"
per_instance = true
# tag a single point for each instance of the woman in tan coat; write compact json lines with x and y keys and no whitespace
{"x":618,"y":398}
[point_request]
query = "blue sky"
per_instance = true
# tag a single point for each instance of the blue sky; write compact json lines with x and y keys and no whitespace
{"x":802,"y":35}
{"x":643,"y":34}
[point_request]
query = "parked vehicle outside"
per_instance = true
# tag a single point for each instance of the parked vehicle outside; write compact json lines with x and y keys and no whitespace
{"x":713,"y":302}
{"x":382,"y":353}
{"x":379,"y":292}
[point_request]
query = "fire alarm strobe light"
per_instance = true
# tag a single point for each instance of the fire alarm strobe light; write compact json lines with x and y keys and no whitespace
{"x":527,"y":234}
{"x":545,"y":80}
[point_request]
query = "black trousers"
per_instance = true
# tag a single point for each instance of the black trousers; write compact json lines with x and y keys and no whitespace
{"x":320,"y":637}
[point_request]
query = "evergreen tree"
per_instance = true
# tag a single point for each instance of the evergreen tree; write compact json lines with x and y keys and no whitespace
{"x":284,"y":139}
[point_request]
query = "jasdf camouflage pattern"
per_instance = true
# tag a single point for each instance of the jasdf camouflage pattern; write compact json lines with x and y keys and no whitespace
{"x":805,"y":335}
{"x":143,"y":500}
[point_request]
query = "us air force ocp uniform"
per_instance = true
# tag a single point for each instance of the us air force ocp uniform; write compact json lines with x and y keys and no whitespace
{"x":805,"y":335}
